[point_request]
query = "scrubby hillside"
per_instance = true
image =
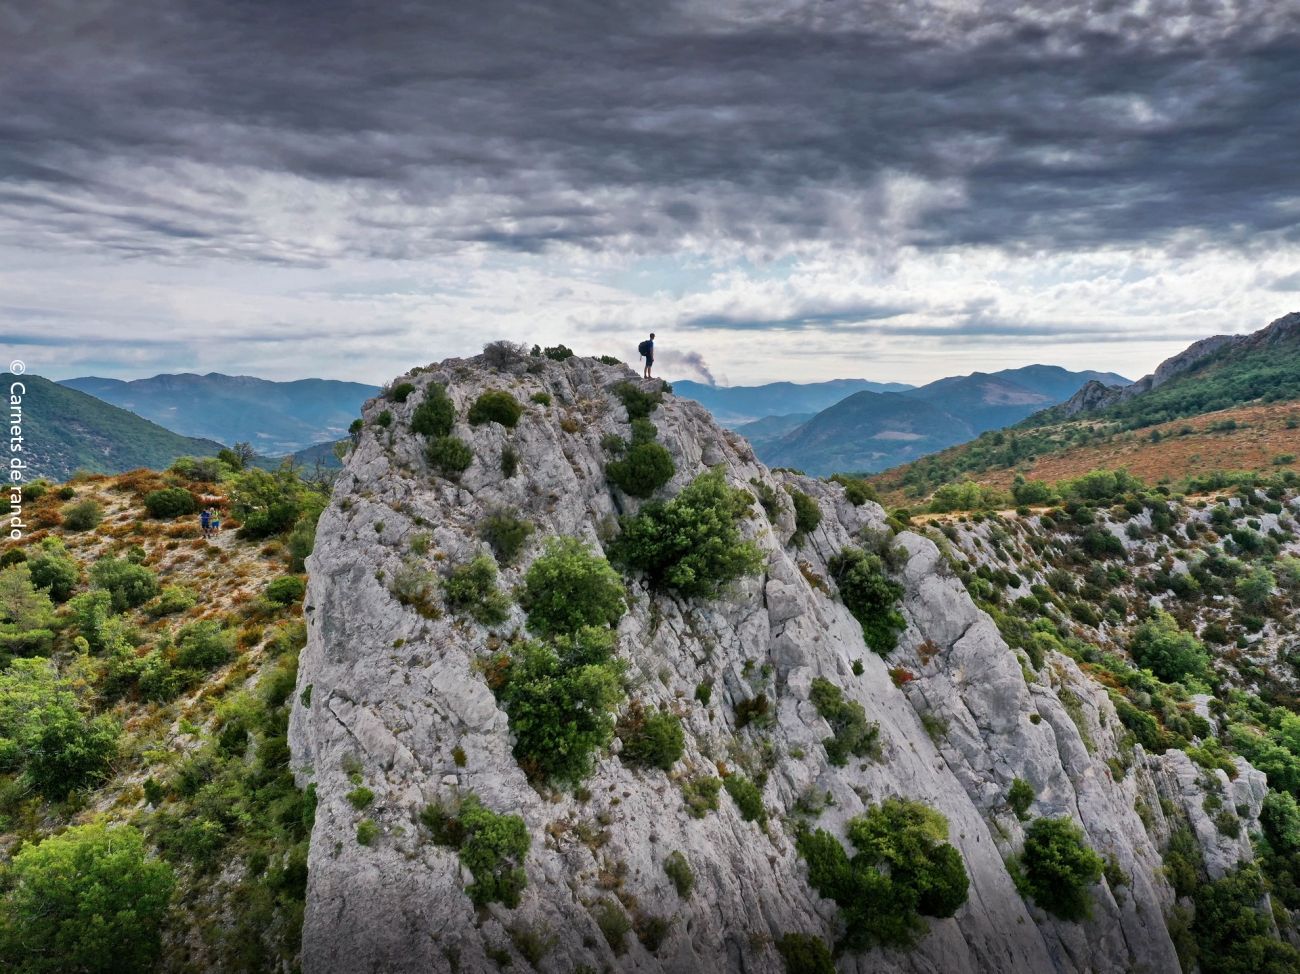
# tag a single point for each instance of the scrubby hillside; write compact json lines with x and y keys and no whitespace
{"x":1225,"y":403}
{"x":147,"y":817}
{"x":587,"y":687}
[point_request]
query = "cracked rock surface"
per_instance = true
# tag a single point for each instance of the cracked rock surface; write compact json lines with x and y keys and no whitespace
{"x":398,"y":703}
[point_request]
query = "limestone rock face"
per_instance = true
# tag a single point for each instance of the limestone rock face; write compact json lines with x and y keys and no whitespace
{"x":397,"y":703}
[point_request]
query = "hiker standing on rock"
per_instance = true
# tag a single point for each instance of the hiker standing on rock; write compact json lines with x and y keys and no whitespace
{"x":647,"y":350}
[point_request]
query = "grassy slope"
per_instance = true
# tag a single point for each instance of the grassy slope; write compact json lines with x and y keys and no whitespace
{"x":67,"y":431}
{"x":1254,"y":437}
{"x":237,"y":790}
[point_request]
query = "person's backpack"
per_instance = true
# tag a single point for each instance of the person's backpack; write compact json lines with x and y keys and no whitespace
{"x":644,"y":348}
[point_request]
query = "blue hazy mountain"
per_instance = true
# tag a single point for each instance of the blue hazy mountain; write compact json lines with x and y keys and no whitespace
{"x":733,"y":405}
{"x":871,"y":431}
{"x":275,"y":417}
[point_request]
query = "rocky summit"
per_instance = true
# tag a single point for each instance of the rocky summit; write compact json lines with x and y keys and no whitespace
{"x":829,"y":757}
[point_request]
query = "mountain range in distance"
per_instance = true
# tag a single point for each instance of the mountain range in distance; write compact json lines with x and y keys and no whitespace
{"x":870,"y":431}
{"x":65,"y":430}
{"x":733,"y":405}
{"x":277,"y":418}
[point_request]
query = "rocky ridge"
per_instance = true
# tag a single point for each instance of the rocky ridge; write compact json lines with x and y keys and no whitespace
{"x":397,"y":701}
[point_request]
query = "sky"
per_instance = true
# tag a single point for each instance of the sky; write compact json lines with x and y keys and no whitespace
{"x":784,"y":189}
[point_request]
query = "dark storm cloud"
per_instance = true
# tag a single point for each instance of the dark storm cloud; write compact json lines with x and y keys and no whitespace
{"x":411,"y":129}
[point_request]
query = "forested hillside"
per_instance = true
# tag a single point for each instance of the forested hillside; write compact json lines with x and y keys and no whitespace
{"x":148,"y":820}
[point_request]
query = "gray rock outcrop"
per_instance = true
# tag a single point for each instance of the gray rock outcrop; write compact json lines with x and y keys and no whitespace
{"x":398,"y":703}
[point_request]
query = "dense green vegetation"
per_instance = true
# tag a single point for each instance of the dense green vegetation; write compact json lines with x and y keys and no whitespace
{"x":692,"y":543}
{"x":568,"y":587}
{"x":651,"y":738}
{"x":852,"y":733}
{"x":643,"y":469}
{"x":449,"y":456}
{"x":807,"y":514}
{"x":804,"y":953}
{"x":902,"y":869}
{"x":471,"y":589}
{"x":170,"y":502}
{"x":495,"y":406}
{"x":1057,"y":868}
{"x":435,"y":415}
{"x":871,"y":596}
{"x":492,"y":847}
{"x":91,"y":899}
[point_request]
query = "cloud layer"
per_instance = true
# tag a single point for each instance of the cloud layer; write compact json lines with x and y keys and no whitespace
{"x":794,"y":168}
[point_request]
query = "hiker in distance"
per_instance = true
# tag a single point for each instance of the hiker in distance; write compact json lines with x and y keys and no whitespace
{"x":647,"y":351}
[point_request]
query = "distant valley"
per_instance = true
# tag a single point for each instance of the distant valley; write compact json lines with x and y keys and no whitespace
{"x":869,"y":430}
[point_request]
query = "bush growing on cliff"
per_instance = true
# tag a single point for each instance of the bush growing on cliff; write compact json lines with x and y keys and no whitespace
{"x":569,"y":587}
{"x":748,"y":798}
{"x":435,"y":415}
{"x":90,"y":899}
{"x":1020,"y":797}
{"x":1233,"y":935}
{"x":505,"y":532}
{"x":559,"y":698}
{"x":1279,"y":846}
{"x":853,"y":733}
{"x":638,"y":402}
{"x":472,"y":589}
{"x":807,"y":513}
{"x":651,"y":738}
{"x":804,"y":953}
{"x":871,"y":596}
{"x":449,"y":456}
{"x":266,"y":502}
{"x":1057,"y":867}
{"x":492,"y":847}
{"x":903,"y":868}
{"x":495,"y":406}
{"x":642,"y":470}
{"x":691,"y":543}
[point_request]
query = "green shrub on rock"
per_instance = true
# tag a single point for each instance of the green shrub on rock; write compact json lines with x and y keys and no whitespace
{"x":804,"y":953}
{"x":472,"y":589}
{"x":748,"y":798}
{"x":559,"y":698}
{"x":505,"y":532}
{"x":642,"y":470}
{"x":902,"y":869}
{"x":691,"y":543}
{"x":449,"y":456}
{"x":871,"y":596}
{"x":651,"y":738}
{"x":495,"y":406}
{"x":1020,"y":797}
{"x":853,"y":733}
{"x":681,"y":874}
{"x":435,"y":415}
{"x":807,"y":513}
{"x":492,"y":847}
{"x":569,"y":587}
{"x":1057,"y":867}
{"x":637,"y":401}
